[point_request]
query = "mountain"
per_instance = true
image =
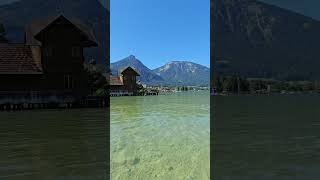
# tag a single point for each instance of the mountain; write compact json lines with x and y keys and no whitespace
{"x":184,"y":73}
{"x":174,"y":73}
{"x":254,"y":39}
{"x":105,"y":3}
{"x":15,"y":16}
{"x":146,"y":75}
{"x":7,"y":1}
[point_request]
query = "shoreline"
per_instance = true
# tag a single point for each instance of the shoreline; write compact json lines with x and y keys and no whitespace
{"x":265,"y":94}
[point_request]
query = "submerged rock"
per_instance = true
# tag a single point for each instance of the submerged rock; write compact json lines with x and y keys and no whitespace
{"x":135,"y":161}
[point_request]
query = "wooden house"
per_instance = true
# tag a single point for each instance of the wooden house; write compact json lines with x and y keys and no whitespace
{"x":125,"y":84}
{"x":48,"y":66}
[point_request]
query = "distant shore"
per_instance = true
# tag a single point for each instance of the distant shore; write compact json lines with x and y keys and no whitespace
{"x":270,"y":93}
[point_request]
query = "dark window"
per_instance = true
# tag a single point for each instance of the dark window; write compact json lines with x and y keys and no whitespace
{"x":76,"y":51}
{"x":68,"y":82}
{"x":47,"y":51}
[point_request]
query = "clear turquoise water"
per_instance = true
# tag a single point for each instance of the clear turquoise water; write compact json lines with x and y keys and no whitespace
{"x":160,"y":137}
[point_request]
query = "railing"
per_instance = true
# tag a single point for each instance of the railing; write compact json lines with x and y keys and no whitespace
{"x":121,"y":93}
{"x":54,"y":96}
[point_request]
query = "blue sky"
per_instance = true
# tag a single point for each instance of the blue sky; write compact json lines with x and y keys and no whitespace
{"x":159,"y":31}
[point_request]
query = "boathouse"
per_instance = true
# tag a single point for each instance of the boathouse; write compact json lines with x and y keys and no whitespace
{"x":48,"y":66}
{"x":125,"y":84}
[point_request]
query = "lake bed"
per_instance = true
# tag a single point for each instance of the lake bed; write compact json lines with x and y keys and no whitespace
{"x":161,"y":137}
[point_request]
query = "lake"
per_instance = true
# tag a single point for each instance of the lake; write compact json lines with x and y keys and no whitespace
{"x":161,"y":137}
{"x":167,"y":137}
{"x":266,"y":137}
{"x":54,"y":144}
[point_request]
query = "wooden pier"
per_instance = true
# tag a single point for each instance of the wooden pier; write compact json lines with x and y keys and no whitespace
{"x":121,"y":93}
{"x":44,"y":100}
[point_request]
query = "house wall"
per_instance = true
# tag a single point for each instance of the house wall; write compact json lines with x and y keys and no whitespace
{"x":59,"y":63}
{"x":129,"y":81}
{"x":61,"y":42}
{"x":20,"y":82}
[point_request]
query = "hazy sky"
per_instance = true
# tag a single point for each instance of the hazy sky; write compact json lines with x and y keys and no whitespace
{"x":159,"y":31}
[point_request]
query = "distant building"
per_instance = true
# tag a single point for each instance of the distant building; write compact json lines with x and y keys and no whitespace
{"x":125,"y":84}
{"x":48,"y":66}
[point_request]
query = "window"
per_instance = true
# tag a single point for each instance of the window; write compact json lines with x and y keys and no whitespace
{"x":68,"y":82}
{"x":47,"y":51}
{"x":76,"y":51}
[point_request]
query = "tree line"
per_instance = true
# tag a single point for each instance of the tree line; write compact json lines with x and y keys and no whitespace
{"x":2,"y":33}
{"x":236,"y":84}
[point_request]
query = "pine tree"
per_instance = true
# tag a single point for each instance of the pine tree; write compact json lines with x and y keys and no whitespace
{"x":2,"y":34}
{"x":2,"y":30}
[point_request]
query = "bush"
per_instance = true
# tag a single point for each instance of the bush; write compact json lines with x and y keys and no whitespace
{"x":96,"y":81}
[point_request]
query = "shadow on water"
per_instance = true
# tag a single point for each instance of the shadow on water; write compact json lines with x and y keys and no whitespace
{"x":54,"y":144}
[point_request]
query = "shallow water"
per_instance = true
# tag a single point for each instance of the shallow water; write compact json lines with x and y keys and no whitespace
{"x":54,"y":145}
{"x":160,"y":137}
{"x":266,"y":137}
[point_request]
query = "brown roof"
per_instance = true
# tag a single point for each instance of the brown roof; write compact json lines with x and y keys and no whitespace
{"x":37,"y":26}
{"x":130,"y":69}
{"x":19,"y":59}
{"x":115,"y":81}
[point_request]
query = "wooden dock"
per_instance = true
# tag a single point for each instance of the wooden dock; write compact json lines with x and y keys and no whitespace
{"x":40,"y":100}
{"x":121,"y":93}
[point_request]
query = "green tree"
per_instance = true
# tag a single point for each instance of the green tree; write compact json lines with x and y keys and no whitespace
{"x":141,"y":90}
{"x":219,"y":87}
{"x":2,"y":30}
{"x":97,"y":82}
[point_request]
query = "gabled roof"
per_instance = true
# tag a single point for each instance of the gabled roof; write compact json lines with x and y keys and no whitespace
{"x":129,"y":68}
{"x":37,"y":27}
{"x":19,"y":59}
{"x":115,"y":81}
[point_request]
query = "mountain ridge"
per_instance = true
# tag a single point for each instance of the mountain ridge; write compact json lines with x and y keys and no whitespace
{"x":256,"y":39}
{"x":175,"y":74}
{"x":184,"y":73}
{"x":146,"y":74}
